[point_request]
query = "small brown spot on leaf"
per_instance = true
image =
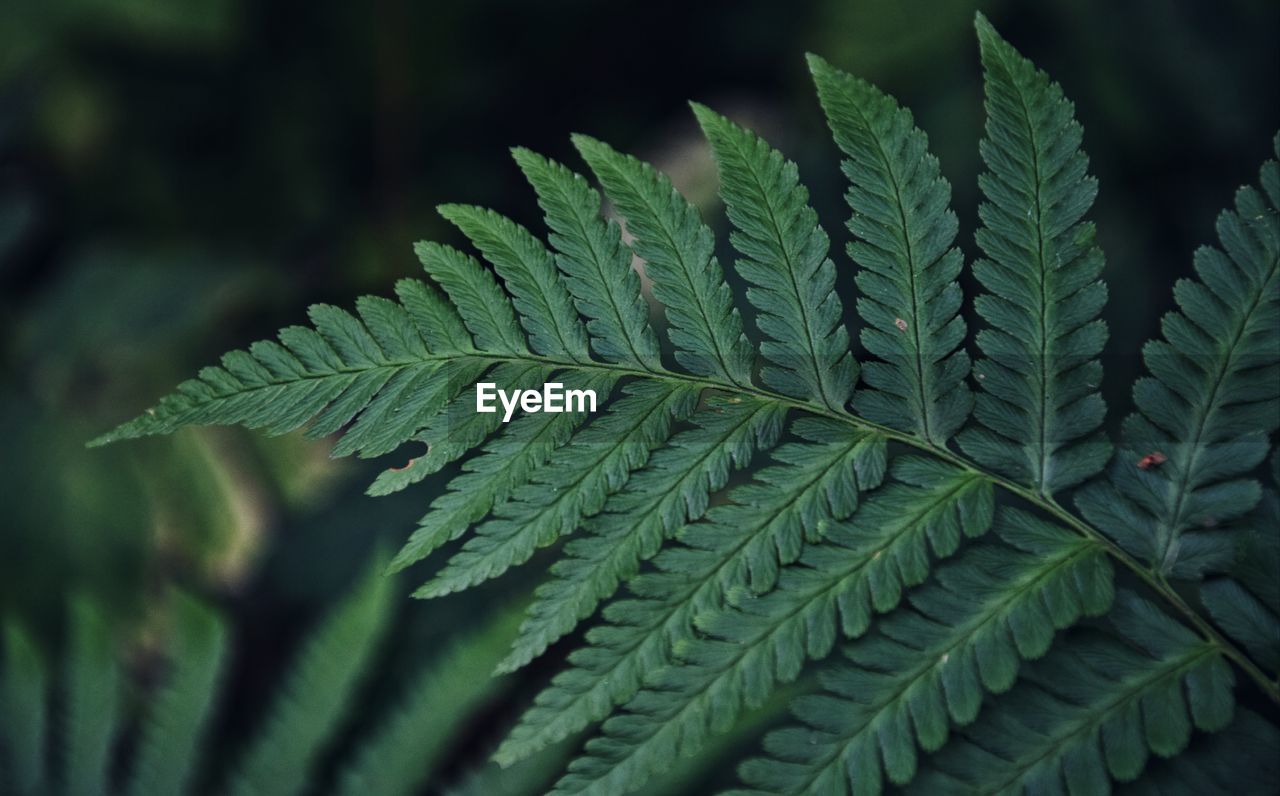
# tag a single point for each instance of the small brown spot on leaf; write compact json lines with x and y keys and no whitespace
{"x":1153,"y":459}
{"x":901,"y":324}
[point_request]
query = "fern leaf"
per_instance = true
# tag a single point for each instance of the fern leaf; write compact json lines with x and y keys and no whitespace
{"x":529,"y":272}
{"x":485,"y":309}
{"x":1258,"y":546}
{"x":316,"y":694}
{"x":1093,"y":708}
{"x":1247,"y":603}
{"x":1211,"y":400}
{"x":1239,"y":760}
{"x":929,"y":664}
{"x":596,"y":265}
{"x":178,"y":716}
{"x":92,"y":693}
{"x":1041,"y":374}
{"x":905,"y":234}
{"x":24,"y":692}
{"x":811,"y":483}
{"x":1245,"y":619}
{"x":785,"y":261}
{"x":506,"y":462}
{"x":679,"y":254}
{"x":398,"y":757}
{"x":673,"y":488}
{"x":574,"y":484}
{"x":862,"y":566}
{"x":435,"y":318}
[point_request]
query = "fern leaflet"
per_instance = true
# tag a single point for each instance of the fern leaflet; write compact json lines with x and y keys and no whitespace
{"x":1040,"y":376}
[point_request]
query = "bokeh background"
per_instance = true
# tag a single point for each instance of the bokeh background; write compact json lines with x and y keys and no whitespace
{"x":182,"y":177}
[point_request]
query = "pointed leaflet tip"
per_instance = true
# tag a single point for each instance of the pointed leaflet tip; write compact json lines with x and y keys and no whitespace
{"x":989,"y":37}
{"x":524,"y":157}
{"x":703,"y":114}
{"x":583,"y":141}
{"x":450,"y":211}
{"x":817,"y":64}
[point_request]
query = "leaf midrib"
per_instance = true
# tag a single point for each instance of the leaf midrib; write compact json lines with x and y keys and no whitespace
{"x":805,"y":310}
{"x":913,"y":288}
{"x":687,"y":272}
{"x":1030,"y":495}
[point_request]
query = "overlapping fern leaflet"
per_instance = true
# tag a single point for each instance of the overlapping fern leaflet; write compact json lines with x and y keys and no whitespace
{"x":673,"y":488}
{"x":928,"y":665}
{"x":907,"y":263}
{"x":573,"y":484}
{"x":594,"y":262}
{"x":1040,"y":376}
{"x":785,"y":260}
{"x":1213,"y":397}
{"x":679,"y":254}
{"x":528,"y":271}
{"x":811,"y":484}
{"x":749,"y":645}
{"x":1094,"y":710}
{"x":504,"y":463}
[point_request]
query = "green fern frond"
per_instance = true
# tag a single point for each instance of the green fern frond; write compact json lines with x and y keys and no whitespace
{"x":572,"y":485}
{"x":731,"y":590}
{"x":785,"y":261}
{"x":319,"y":687}
{"x":674,"y":488}
{"x":595,"y":264}
{"x":176,"y":723}
{"x":92,"y":693}
{"x":24,"y":691}
{"x":929,"y":665}
{"x":1092,"y":711}
{"x":679,"y":255}
{"x":862,"y":566}
{"x":908,"y":264}
{"x":1213,"y":397}
{"x":1041,"y":374}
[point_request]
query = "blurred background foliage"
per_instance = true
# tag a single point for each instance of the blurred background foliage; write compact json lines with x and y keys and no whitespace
{"x":181,"y":177}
